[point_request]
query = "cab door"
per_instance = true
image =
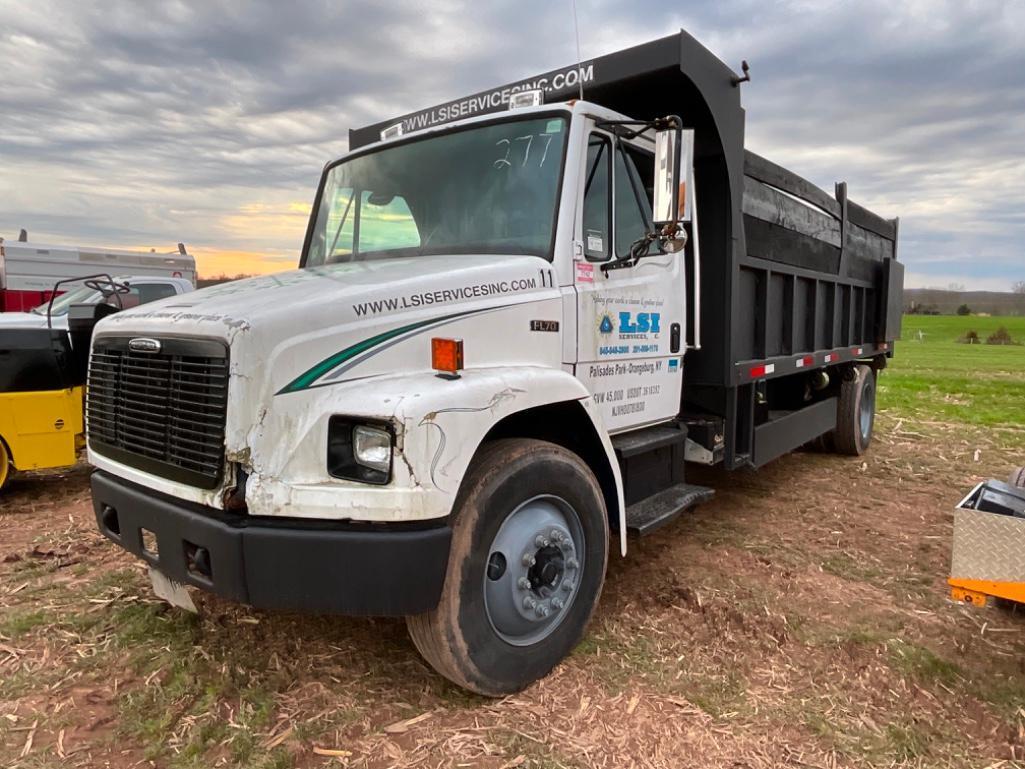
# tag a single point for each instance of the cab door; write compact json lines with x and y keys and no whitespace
{"x":629,"y":319}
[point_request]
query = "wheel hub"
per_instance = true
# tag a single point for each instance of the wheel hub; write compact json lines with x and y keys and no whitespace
{"x":547,"y":571}
{"x":866,"y":409}
{"x":540,"y":549}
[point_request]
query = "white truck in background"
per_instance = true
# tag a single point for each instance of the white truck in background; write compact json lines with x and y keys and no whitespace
{"x":515,"y":316}
{"x":134,"y":291}
{"x":28,"y":270}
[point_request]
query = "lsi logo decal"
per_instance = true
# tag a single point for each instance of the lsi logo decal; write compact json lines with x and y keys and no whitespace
{"x":606,"y":325}
{"x":644,"y":323}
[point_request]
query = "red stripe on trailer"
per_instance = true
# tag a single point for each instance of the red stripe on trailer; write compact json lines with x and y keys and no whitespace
{"x":884,"y":346}
{"x":12,"y":300}
{"x":807,"y":360}
{"x":857,"y":350}
{"x":830,"y":357}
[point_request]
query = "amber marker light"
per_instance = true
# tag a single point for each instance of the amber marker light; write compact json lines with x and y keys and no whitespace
{"x":447,"y":356}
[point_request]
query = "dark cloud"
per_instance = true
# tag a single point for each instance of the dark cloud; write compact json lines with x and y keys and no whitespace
{"x":154,"y":122}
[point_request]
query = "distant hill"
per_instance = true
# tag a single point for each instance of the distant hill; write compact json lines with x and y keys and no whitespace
{"x":937,"y":301}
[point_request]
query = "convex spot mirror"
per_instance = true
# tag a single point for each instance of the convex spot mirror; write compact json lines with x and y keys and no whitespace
{"x":675,"y":242}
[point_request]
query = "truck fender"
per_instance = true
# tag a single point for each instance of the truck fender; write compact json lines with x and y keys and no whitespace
{"x":449,"y":419}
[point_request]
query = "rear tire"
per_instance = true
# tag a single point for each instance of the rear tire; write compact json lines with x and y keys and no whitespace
{"x":855,"y":414}
{"x":529,"y":549}
{"x":1017,"y":478}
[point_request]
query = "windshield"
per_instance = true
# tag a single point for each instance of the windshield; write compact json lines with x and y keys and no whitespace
{"x":488,"y":189}
{"x":80,"y":295}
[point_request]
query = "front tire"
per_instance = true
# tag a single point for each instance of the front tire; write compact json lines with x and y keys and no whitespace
{"x":1017,"y":477}
{"x":6,"y":465}
{"x":855,"y":415}
{"x":529,"y":550}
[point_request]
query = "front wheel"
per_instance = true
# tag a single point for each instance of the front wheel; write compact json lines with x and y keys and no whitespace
{"x":6,"y":466}
{"x":1017,"y":477}
{"x":529,"y":551}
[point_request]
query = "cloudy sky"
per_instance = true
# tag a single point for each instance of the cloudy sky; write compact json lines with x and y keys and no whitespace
{"x":140,"y":124}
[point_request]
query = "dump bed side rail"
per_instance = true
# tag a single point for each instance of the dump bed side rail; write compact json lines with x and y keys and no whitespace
{"x":820,"y":281}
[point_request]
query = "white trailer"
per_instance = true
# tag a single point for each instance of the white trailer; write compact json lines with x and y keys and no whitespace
{"x":28,"y":270}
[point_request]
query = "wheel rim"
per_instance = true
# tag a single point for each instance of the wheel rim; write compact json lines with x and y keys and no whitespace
{"x":868,"y":400}
{"x":533,"y":570}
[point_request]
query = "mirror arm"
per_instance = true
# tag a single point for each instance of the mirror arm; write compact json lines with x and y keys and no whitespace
{"x":638,"y":250}
{"x":617,"y":126}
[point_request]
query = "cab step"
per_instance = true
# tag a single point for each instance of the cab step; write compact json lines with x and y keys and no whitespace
{"x":650,"y":514}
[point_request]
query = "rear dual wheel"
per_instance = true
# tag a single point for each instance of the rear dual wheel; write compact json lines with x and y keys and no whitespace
{"x":855,"y":415}
{"x":527,"y":564}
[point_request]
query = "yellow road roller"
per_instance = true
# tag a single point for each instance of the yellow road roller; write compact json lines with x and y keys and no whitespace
{"x":42,"y":385}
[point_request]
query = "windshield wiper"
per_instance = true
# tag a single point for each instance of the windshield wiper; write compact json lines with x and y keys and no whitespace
{"x":338,"y":232}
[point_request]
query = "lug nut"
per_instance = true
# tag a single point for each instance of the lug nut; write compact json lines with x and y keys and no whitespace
{"x":557,"y":536}
{"x":557,"y":603}
{"x":528,"y":559}
{"x":573,"y":563}
{"x":529,"y":603}
{"x":568,"y":586}
{"x":541,"y":540}
{"x":523,"y":583}
{"x":541,"y":610}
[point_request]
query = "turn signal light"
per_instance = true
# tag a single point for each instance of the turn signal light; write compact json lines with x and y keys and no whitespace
{"x":447,"y":355}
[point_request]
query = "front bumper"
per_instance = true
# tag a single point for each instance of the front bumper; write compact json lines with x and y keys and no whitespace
{"x":293,"y":564}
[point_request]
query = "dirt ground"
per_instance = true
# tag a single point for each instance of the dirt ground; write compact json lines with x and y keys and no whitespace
{"x":799,"y":620}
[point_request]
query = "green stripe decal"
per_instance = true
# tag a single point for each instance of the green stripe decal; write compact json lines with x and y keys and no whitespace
{"x":307,"y":379}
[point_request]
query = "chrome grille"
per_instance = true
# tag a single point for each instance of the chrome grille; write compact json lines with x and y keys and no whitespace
{"x":162,"y":412}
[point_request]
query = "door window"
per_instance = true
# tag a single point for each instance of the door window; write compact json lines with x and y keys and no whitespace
{"x":151,"y":292}
{"x":597,"y":214}
{"x":632,"y":200}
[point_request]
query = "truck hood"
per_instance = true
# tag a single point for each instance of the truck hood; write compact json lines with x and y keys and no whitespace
{"x":26,"y":320}
{"x":291,"y":324}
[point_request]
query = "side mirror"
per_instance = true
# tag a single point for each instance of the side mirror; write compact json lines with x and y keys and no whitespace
{"x":674,"y":174}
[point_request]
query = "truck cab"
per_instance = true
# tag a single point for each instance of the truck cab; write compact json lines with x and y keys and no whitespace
{"x":478,"y":378}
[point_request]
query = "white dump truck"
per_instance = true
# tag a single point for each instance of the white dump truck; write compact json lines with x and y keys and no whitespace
{"x":516,"y":317}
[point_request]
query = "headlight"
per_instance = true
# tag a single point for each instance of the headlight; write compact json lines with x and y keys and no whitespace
{"x":358,"y":451}
{"x":372,"y":447}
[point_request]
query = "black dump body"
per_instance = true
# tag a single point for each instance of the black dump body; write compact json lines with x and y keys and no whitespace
{"x":792,"y":279}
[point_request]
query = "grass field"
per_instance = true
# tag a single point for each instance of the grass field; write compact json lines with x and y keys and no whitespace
{"x":933,"y":377}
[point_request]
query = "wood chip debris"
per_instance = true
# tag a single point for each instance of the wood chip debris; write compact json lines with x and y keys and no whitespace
{"x":401,"y":727}
{"x":332,"y":752}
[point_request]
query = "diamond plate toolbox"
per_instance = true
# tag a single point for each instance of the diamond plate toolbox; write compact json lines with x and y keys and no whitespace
{"x":988,"y":546}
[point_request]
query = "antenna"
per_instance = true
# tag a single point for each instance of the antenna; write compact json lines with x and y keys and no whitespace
{"x":576,"y":31}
